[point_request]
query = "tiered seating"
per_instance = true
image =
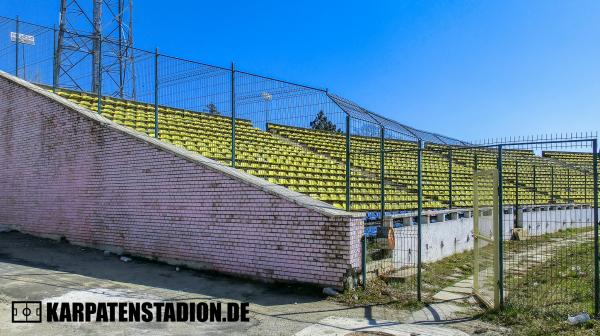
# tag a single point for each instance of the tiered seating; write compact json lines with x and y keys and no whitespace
{"x":313,"y":162}
{"x":482,"y":159}
{"x":554,"y":182}
{"x":579,"y":181}
{"x":258,"y":153}
{"x":584,"y":160}
{"x":400,"y":160}
{"x":462,"y":173}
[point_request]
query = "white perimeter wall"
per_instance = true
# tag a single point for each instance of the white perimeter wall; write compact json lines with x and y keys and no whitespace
{"x":448,"y":237}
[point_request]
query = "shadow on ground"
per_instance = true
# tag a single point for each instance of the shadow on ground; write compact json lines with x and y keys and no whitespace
{"x":33,"y":268}
{"x":59,"y":256}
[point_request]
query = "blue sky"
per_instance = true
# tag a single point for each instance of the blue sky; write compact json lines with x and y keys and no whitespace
{"x":468,"y":69}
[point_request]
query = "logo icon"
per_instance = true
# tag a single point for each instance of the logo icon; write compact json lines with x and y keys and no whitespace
{"x":27,"y":311}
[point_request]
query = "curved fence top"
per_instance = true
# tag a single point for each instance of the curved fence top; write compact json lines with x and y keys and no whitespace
{"x":401,"y":131}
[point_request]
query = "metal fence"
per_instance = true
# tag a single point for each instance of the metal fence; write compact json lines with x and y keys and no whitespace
{"x":486,"y":261}
{"x":312,"y":141}
{"x":549,"y":247}
{"x":547,"y":222}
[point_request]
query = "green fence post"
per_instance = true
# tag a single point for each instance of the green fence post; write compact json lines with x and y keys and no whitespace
{"x":551,"y":184}
{"x":595,"y":217}
{"x":363,"y":260}
{"x":348,"y":163}
{"x":534,"y":185}
{"x":585,"y":187}
{"x":516,"y":194}
{"x":233,"y":115}
{"x":17,"y":46}
{"x":156,"y":129}
{"x":382,"y":171}
{"x":501,"y":228}
{"x":99,"y":73}
{"x":568,"y":185}
{"x":450,"y":178}
{"x":419,"y":214}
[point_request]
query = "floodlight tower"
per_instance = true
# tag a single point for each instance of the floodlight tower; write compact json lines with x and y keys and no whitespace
{"x":103,"y":31}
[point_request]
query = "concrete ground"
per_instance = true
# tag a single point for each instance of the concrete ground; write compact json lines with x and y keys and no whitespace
{"x":40,"y":269}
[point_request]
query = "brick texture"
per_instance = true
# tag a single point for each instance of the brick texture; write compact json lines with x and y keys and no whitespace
{"x":67,"y":173}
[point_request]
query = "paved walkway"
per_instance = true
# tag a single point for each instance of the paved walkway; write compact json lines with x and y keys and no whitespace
{"x":45,"y":270}
{"x":339,"y":326}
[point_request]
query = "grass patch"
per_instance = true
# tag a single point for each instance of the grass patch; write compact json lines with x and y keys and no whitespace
{"x":446,"y":272}
{"x":402,"y":294}
{"x":559,"y":287}
{"x":397,"y":295}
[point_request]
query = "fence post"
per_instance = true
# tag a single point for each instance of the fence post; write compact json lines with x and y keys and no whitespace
{"x":534,"y":185}
{"x":348,"y":162}
{"x":595,"y":217}
{"x":568,"y":185}
{"x":450,"y":178}
{"x":516,"y":224}
{"x":156,"y":129}
{"x":363,"y":260}
{"x":99,"y":36}
{"x":382,"y":171}
{"x":475,"y":163}
{"x":232,"y":115}
{"x":551,"y":184}
{"x":17,"y":46}
{"x":419,"y":214}
{"x":500,"y":283}
{"x":54,"y":60}
{"x":585,"y":188}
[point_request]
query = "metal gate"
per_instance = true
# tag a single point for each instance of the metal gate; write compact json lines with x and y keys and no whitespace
{"x":486,"y":261}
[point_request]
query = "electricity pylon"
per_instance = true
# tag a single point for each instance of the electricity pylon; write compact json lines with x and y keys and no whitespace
{"x":96,"y":34}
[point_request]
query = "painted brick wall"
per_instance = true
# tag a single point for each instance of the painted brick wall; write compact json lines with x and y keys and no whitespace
{"x":66,"y":172}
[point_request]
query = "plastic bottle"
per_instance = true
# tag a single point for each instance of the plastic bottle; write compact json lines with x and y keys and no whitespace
{"x":579,"y":318}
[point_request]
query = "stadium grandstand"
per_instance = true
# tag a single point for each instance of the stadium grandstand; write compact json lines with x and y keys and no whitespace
{"x":312,"y":161}
{"x":308,"y":186}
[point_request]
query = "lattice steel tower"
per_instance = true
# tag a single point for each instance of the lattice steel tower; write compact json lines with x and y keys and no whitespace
{"x":79,"y":51}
